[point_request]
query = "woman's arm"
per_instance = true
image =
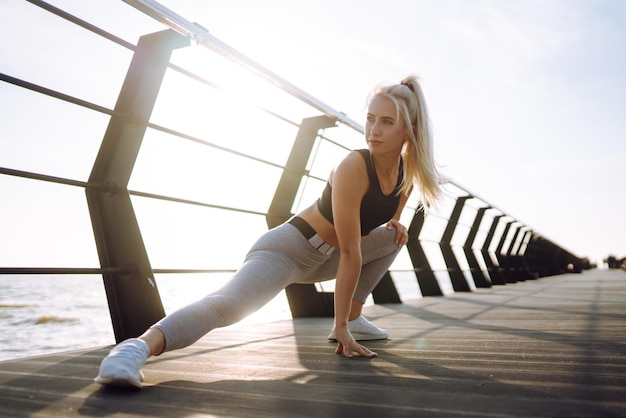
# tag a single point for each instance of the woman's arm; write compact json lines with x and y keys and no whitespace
{"x":350,"y":182}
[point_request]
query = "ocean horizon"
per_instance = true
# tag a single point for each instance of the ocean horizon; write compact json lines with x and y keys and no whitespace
{"x":50,"y":314}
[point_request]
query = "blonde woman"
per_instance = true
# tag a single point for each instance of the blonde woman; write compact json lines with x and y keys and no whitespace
{"x":352,"y":233}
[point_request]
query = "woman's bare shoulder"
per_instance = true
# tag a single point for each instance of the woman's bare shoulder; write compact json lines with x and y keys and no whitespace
{"x":350,"y":176}
{"x":352,"y":161}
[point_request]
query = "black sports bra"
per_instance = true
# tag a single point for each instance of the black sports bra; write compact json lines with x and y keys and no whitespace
{"x":376,"y":207}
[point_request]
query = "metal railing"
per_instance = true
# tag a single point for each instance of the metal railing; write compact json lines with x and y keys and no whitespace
{"x":469,"y":243}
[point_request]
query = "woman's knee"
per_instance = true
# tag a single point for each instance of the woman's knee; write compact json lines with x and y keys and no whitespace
{"x":385,"y":238}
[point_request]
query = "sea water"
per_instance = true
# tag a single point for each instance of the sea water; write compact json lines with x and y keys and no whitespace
{"x":50,"y":314}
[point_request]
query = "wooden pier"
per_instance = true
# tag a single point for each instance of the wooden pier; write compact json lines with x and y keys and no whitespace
{"x":553,"y":347}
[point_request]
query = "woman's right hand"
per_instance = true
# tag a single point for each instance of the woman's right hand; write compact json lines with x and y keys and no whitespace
{"x":346,"y":344}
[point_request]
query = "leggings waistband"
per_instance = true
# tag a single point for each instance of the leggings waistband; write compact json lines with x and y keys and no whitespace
{"x":309,"y":233}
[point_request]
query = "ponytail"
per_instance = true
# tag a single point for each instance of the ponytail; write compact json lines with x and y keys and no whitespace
{"x":419,"y":162}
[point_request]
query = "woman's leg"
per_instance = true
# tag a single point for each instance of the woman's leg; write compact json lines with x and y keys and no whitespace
{"x":378,"y":251}
{"x":280,"y":257}
{"x":263,"y":276}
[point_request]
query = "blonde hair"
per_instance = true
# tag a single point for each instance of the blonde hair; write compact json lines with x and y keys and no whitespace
{"x":419,"y":161}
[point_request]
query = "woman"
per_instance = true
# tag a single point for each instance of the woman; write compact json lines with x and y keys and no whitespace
{"x":352,"y":233}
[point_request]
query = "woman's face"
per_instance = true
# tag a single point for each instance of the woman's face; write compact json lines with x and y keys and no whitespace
{"x":384,"y":129}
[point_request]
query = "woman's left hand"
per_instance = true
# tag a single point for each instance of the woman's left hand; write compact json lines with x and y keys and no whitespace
{"x":346,"y":344}
{"x":402,"y":234}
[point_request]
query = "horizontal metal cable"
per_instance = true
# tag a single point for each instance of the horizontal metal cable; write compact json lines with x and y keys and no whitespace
{"x":79,"y":22}
{"x":63,"y":270}
{"x":438,"y":241}
{"x":193,"y":202}
{"x":62,"y":96}
{"x":187,"y":271}
{"x":125,"y":270}
{"x":58,"y":95}
{"x":418,"y":269}
{"x":111,"y":189}
{"x":51,"y":179}
{"x":210,"y":144}
{"x":206,"y":82}
{"x":345,"y":148}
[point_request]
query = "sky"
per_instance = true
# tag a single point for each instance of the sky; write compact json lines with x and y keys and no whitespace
{"x":526,"y":97}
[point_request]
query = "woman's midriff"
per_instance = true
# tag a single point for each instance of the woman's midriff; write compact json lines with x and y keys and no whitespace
{"x":324,"y":229}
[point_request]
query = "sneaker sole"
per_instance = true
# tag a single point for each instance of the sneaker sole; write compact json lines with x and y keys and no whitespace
{"x":118,"y":382}
{"x":362,"y":337}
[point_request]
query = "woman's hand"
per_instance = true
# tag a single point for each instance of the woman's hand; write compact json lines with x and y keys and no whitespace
{"x":346,"y":344}
{"x":402,"y":234}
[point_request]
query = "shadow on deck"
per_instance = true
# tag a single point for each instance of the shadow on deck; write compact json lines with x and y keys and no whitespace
{"x":554,"y":347}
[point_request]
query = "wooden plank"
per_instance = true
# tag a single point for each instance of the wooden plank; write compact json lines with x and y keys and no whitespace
{"x":548,"y":348}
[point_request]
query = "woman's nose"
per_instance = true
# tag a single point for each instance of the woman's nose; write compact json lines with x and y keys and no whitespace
{"x":374,"y":129}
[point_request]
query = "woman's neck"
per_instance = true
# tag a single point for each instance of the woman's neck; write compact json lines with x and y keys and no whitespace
{"x":385,"y":166}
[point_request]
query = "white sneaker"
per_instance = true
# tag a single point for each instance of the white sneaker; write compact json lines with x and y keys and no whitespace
{"x":122,"y":367}
{"x":363,"y":330}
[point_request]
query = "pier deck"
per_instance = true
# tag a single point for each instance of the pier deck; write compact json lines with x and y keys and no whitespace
{"x":554,"y":347}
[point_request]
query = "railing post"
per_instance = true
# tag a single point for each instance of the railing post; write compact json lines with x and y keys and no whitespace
{"x":429,"y":286}
{"x":532,"y":256}
{"x":477,"y":274}
{"x":493,"y":269}
{"x":304,"y":299}
{"x":133,"y":298}
{"x":522,"y":257}
{"x":551,"y":259}
{"x":514,"y":262}
{"x":544,"y":256}
{"x":459,"y":282}
{"x":385,"y":291}
{"x":295,"y":169}
{"x":502,"y":258}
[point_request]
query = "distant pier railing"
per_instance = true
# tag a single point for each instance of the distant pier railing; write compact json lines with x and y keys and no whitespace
{"x":178,"y":168}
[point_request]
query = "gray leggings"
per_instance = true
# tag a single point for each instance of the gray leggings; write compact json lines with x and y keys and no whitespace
{"x":281,"y":256}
